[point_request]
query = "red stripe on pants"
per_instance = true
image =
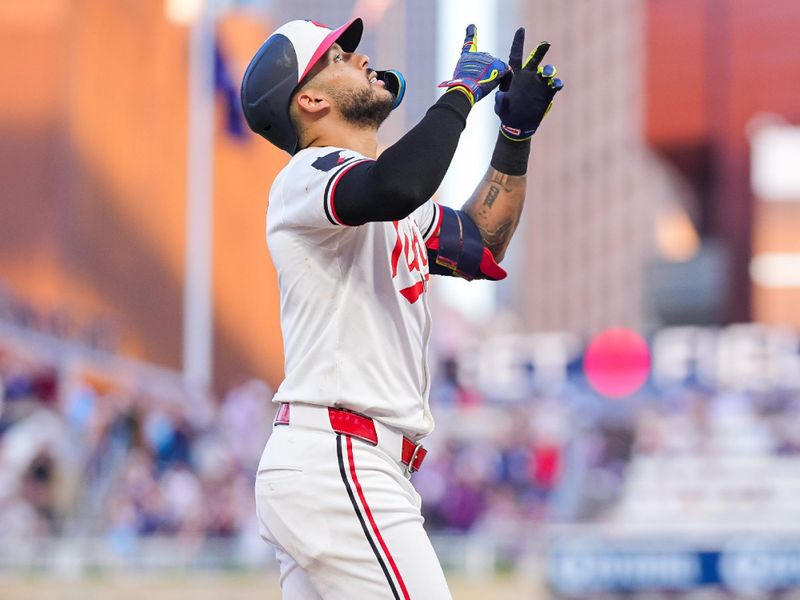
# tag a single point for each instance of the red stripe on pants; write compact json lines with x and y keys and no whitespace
{"x":372,"y":520}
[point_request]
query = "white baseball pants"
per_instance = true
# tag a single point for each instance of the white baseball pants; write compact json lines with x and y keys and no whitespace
{"x":344,"y":519}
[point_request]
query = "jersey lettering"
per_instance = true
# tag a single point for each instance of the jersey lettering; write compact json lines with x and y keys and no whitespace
{"x":410,"y":247}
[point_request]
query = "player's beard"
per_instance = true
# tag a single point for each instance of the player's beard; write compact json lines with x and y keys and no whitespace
{"x":363,"y":108}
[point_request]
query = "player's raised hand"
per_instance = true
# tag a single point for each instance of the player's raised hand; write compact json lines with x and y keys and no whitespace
{"x":524,"y":101}
{"x":476,"y":73}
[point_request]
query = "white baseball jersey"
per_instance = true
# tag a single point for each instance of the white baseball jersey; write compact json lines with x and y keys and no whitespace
{"x":354,"y":306}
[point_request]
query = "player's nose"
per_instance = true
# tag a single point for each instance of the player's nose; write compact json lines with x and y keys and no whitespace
{"x":361,"y":60}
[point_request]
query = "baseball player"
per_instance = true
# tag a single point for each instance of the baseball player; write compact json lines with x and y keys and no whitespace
{"x":355,"y":238}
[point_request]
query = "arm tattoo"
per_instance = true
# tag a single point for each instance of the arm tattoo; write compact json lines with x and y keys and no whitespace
{"x":501,"y":179}
{"x":496,"y":207}
{"x":497,"y":240}
{"x":494,"y":190}
{"x":492,"y":195}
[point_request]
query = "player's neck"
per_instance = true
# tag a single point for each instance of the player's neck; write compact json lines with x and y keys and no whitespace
{"x":363,"y":141}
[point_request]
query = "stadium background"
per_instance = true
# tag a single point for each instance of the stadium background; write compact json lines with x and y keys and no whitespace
{"x":139,"y":331}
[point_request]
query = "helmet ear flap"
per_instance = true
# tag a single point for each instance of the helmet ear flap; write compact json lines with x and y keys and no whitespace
{"x":266,"y":98}
{"x":395,"y":83}
{"x":267,"y":87}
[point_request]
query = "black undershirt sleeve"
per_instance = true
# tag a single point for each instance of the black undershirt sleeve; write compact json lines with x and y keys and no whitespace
{"x":407,"y":173}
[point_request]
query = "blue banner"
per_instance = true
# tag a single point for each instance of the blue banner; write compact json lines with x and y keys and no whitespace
{"x":743,"y":566}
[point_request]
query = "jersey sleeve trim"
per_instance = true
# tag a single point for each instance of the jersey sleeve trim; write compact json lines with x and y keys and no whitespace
{"x":436,"y":222}
{"x":330,"y":190}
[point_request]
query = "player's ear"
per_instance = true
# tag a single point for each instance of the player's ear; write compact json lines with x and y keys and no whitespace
{"x":311,"y":100}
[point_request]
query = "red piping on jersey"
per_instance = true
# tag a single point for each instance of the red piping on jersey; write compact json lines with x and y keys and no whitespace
{"x":438,"y":226}
{"x":333,"y":189}
{"x":372,"y":520}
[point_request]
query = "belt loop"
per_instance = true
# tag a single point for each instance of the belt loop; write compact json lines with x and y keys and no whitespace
{"x":410,"y":466}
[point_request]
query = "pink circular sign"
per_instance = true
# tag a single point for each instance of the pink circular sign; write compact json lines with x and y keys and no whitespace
{"x":617,"y":362}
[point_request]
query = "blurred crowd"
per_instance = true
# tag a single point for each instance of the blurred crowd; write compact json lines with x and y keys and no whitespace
{"x":84,"y":454}
{"x":94,"y":454}
{"x":684,"y":456}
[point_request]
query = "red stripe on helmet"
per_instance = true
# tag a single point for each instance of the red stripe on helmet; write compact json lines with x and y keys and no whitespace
{"x":326,"y":44}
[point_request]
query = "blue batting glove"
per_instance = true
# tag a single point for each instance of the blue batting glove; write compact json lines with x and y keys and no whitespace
{"x":476,"y":73}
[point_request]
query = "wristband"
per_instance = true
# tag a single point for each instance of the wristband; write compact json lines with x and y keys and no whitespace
{"x":510,"y":157}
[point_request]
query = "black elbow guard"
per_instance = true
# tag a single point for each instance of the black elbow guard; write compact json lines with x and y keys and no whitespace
{"x":458,"y":249}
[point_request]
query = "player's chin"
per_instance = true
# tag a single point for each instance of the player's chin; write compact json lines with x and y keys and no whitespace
{"x":383,"y":95}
